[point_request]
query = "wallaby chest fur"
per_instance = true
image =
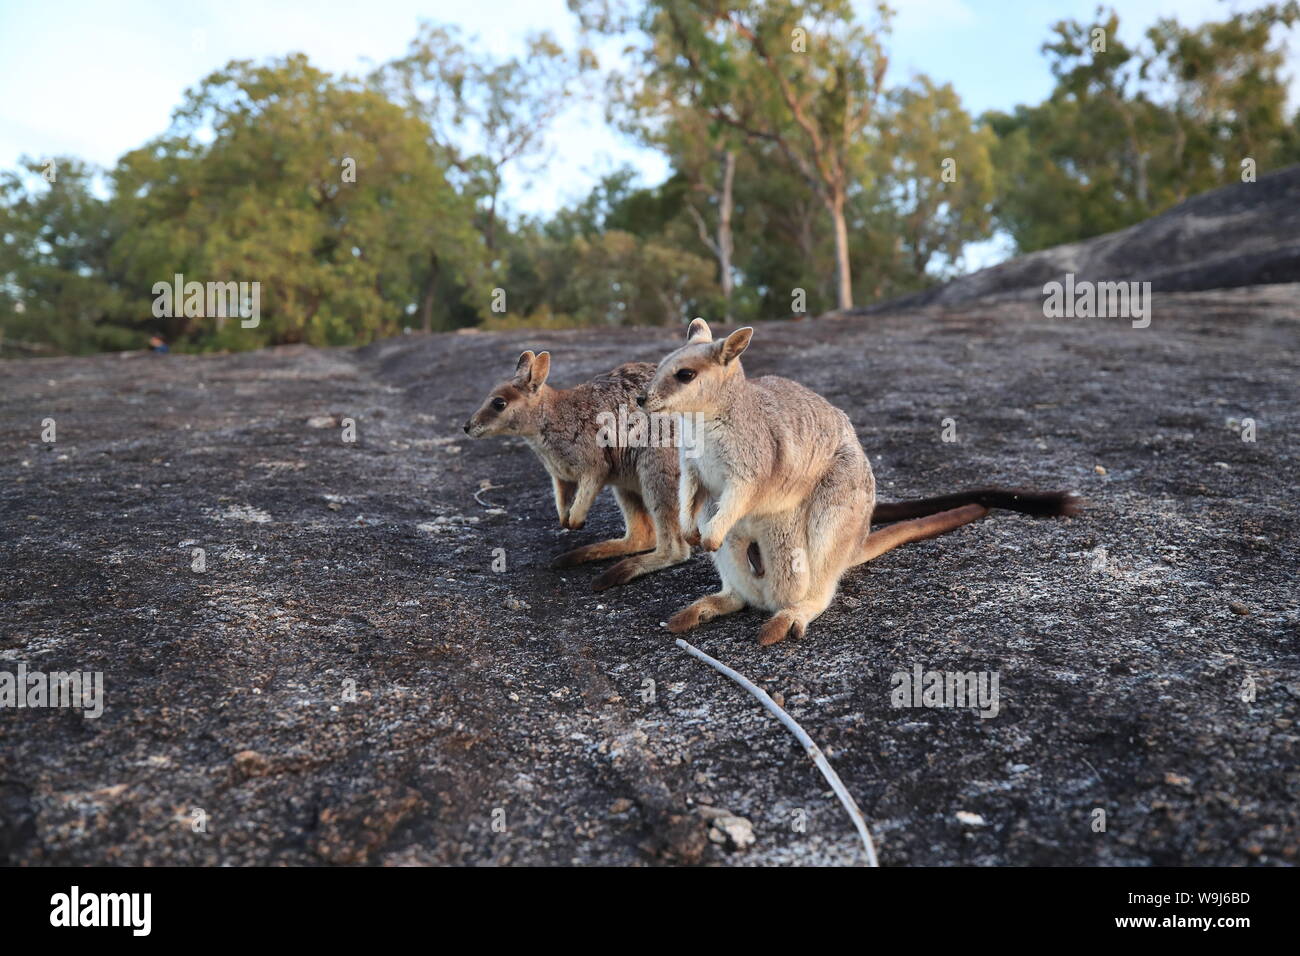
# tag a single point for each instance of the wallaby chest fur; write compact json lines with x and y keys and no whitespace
{"x":775,"y":433}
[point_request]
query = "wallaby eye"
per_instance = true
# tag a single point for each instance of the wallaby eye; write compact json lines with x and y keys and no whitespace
{"x":685,"y":374}
{"x":499,"y":404}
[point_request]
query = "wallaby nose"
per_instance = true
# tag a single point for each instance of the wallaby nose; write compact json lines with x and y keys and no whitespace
{"x":640,"y":400}
{"x":466,"y":429}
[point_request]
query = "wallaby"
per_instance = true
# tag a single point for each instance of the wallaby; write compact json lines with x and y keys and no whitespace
{"x":563,"y":427}
{"x":791,"y":489}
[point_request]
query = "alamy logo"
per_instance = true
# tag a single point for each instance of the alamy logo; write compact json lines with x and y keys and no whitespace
{"x":922,"y":688}
{"x":211,"y":300}
{"x":1098,"y":300}
{"x":636,"y":429}
{"x":103,"y":909}
{"x":79,"y":690}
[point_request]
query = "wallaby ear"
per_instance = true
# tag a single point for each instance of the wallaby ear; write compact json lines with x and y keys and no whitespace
{"x":735,"y":343}
{"x":699,"y":331}
{"x":524,"y":370}
{"x":541,"y":369}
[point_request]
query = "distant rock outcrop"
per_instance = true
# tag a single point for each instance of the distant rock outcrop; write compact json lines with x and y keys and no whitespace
{"x":1241,"y":235}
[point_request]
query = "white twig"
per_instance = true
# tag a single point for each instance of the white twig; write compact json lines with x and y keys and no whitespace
{"x":813,"y":751}
{"x":487,"y":504}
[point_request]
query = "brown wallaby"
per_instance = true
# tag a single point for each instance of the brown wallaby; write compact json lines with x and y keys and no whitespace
{"x":564,"y":428}
{"x":791,"y":489}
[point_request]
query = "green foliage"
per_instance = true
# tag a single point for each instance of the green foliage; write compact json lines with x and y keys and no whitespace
{"x":272,"y":198}
{"x":56,"y":288}
{"x":1130,"y":131}
{"x":804,"y":78}
{"x":581,"y":269}
{"x":619,"y":279}
{"x":934,"y":188}
{"x":796,"y":174}
{"x":500,"y":108}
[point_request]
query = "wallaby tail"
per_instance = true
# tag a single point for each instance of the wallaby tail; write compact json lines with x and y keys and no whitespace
{"x":918,"y":529}
{"x":1044,"y":504}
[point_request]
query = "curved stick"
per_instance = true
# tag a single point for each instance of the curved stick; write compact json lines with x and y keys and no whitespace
{"x":815,"y":752}
{"x":487,"y":504}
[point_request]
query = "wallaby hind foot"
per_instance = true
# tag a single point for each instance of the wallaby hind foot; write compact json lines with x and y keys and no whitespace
{"x":599,"y":551}
{"x":640,"y":535}
{"x":781,"y":625}
{"x":631,"y":568}
{"x":656,"y":509}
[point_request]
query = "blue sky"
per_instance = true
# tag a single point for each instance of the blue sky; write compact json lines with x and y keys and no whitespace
{"x":97,"y":79}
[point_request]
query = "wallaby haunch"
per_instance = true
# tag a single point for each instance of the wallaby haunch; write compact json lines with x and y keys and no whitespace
{"x":791,"y":489}
{"x":562,"y":426}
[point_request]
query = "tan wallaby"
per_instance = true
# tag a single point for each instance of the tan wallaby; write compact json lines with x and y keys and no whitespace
{"x":563,"y":427}
{"x":791,"y":489}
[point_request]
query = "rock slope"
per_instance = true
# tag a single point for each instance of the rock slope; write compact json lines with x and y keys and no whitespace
{"x":351,"y":681}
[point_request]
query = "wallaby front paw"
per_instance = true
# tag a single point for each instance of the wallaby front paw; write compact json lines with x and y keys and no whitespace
{"x":691,"y":535}
{"x":709,"y":542}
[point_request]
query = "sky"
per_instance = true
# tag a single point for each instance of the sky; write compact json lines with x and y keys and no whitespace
{"x":97,"y":79}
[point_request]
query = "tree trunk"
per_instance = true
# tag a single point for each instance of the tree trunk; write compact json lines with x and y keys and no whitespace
{"x":428,"y":292}
{"x":725,"y":246}
{"x":843,"y":276}
{"x":806,"y":213}
{"x":490,"y":232}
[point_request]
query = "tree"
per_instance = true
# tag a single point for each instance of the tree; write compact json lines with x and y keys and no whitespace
{"x":934,"y":179}
{"x":655,"y":105}
{"x":1229,"y":94}
{"x":317,"y":187}
{"x":804,"y":77}
{"x":57,"y":290}
{"x":1128,"y":131}
{"x":707,"y":161}
{"x":616,"y":257}
{"x":483,"y":114}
